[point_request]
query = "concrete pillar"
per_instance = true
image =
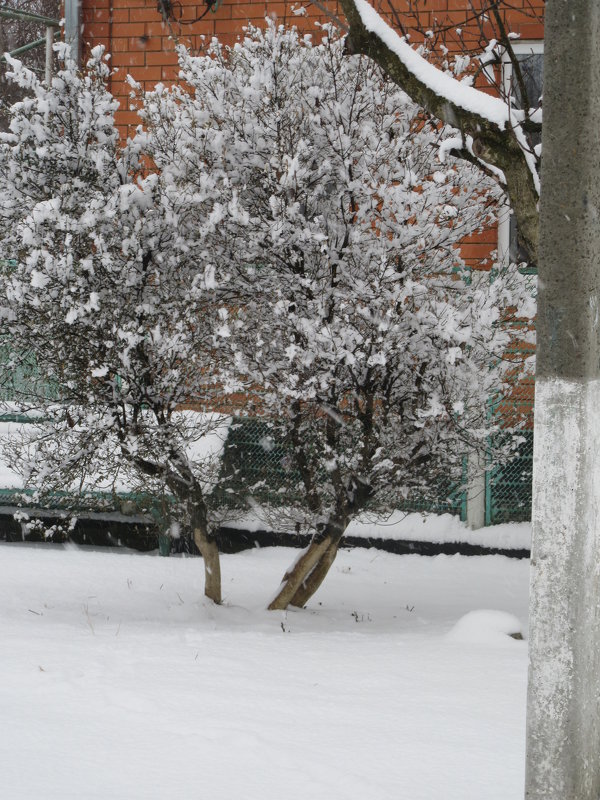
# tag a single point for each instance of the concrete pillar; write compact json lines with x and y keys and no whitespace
{"x":476,"y":491}
{"x":563,"y":725}
{"x":72,"y":10}
{"x":49,"y":54}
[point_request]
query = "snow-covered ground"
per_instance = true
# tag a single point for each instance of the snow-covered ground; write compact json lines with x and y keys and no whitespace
{"x":410,"y":527}
{"x":119,"y":682}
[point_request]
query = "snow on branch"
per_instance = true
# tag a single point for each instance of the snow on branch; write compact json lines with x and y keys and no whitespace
{"x":442,"y":84}
{"x":492,"y":127}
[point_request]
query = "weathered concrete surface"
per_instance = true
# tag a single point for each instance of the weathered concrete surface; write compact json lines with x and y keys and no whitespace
{"x":563,"y":738}
{"x":563,"y":735}
{"x":476,"y":491}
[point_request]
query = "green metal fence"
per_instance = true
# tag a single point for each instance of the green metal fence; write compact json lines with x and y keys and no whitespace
{"x":508,"y":487}
{"x":255,"y":463}
{"x":253,"y":457}
{"x":20,"y":379}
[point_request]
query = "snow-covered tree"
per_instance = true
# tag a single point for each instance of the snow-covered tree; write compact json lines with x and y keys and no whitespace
{"x":501,"y":132}
{"x":370,"y":348}
{"x":105,"y":294}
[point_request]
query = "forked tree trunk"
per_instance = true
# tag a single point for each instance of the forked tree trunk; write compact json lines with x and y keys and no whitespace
{"x":212,"y":564}
{"x":310,"y":584}
{"x":304,"y":578}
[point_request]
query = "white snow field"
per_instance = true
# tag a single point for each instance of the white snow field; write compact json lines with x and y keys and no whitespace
{"x":118,"y":681}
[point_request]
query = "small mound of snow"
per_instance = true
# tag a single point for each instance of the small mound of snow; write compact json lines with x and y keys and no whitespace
{"x":486,"y":627}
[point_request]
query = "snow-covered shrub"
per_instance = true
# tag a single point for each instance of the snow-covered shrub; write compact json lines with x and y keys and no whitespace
{"x":107,"y":295}
{"x":375,"y":350}
{"x":282,"y":226}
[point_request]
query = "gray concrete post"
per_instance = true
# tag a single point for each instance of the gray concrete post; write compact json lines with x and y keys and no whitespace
{"x":563,"y":718}
{"x":49,"y":54}
{"x":475,"y":490}
{"x":73,"y":28}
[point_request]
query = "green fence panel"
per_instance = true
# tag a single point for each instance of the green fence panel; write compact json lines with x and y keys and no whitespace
{"x":21,"y":380}
{"x":255,"y":460}
{"x":254,"y":457}
{"x":509,"y":486}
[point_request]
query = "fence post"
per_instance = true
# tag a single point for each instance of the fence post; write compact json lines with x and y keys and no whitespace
{"x":73,"y":28}
{"x":475,"y":490}
{"x":49,"y":54}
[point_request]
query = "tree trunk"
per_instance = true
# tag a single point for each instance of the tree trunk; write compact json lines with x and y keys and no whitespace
{"x":304,"y":578}
{"x":206,"y":544}
{"x":185,"y":486}
{"x":212,"y":565}
{"x":315,"y":578}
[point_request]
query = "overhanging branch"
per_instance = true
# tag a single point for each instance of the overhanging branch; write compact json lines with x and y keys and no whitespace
{"x":496,"y":145}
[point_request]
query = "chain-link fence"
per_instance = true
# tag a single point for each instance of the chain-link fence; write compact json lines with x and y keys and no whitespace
{"x":255,"y":462}
{"x":508,"y":489}
{"x":254,"y":458}
{"x":20,"y":379}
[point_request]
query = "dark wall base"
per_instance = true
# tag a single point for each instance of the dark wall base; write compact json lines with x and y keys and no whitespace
{"x":140,"y":534}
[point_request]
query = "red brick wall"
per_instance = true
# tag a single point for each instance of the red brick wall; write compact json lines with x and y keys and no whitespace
{"x":142,"y":44}
{"x":518,"y":15}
